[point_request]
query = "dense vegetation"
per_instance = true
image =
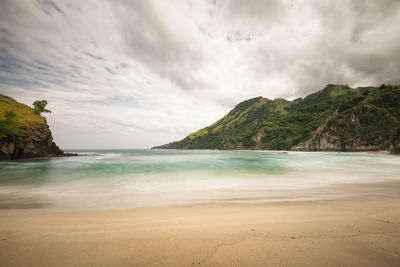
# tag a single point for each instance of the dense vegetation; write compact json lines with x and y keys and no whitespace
{"x":8,"y":125}
{"x":367,"y":116}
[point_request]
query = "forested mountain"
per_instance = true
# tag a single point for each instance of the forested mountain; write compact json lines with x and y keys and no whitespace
{"x":336,"y":118}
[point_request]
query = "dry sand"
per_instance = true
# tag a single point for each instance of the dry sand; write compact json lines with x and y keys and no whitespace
{"x":330,"y":233}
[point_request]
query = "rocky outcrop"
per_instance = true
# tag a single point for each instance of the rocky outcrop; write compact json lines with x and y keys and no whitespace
{"x":314,"y":143}
{"x":258,"y":137}
{"x":340,"y":134}
{"x":30,"y":142}
{"x":395,"y":150}
{"x":395,"y":147}
{"x":227,"y":144}
{"x":24,"y":133}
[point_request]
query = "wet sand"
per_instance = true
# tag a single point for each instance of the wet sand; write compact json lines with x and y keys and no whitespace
{"x":328,"y":233}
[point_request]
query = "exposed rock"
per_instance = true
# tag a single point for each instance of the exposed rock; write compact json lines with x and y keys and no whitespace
{"x":257,"y":138}
{"x":395,"y":147}
{"x":342,"y":135}
{"x":315,"y":143}
{"x":227,"y":144}
{"x":395,"y":151}
{"x":31,"y":142}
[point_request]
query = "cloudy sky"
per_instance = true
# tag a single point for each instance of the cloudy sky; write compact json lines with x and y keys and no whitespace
{"x":136,"y":73}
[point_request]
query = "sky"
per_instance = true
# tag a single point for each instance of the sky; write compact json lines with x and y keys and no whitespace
{"x":135,"y":73}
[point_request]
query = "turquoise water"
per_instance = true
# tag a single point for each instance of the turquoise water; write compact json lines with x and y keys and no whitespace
{"x":108,"y":179}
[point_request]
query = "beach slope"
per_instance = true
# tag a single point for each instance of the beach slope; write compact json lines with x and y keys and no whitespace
{"x":330,"y":233}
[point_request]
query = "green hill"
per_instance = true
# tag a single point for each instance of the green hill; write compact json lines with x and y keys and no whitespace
{"x":335,"y":118}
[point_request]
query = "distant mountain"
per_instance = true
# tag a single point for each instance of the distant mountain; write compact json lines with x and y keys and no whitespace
{"x":24,"y":133}
{"x":337,"y":118}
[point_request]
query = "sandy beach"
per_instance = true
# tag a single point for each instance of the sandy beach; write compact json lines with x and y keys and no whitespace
{"x":327,"y":233}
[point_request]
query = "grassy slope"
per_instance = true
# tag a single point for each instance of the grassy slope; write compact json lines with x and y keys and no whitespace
{"x":25,"y":114}
{"x":288,"y":123}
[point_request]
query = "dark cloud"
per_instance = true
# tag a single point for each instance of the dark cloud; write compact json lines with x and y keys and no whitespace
{"x":110,"y":71}
{"x":151,"y":40}
{"x":93,"y":56}
{"x":48,"y":6}
{"x":238,"y":36}
{"x":371,"y":14}
{"x":356,"y":42}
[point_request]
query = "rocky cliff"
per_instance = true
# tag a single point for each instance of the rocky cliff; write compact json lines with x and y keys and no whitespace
{"x":32,"y":142}
{"x":395,"y":147}
{"x":336,"y":118}
{"x":342,"y":135}
{"x":27,"y":135}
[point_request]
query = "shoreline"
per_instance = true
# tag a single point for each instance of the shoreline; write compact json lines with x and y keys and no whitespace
{"x":352,"y":191}
{"x":72,"y":154}
{"x":388,"y":152}
{"x":50,"y":156}
{"x":311,"y":233}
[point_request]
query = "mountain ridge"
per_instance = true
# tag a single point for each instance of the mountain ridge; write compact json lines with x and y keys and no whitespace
{"x":336,"y":118}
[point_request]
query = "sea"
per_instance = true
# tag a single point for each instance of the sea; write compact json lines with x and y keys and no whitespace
{"x":121,"y":179}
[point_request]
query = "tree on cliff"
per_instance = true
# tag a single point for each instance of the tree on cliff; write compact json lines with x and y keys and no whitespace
{"x":40,"y":106}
